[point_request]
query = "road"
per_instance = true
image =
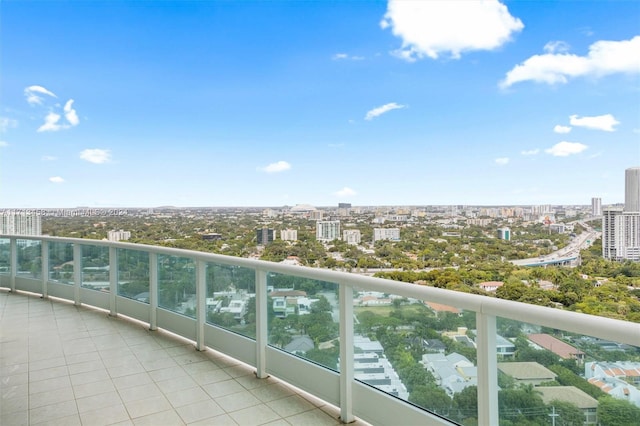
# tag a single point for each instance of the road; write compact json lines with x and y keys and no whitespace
{"x":580,"y":242}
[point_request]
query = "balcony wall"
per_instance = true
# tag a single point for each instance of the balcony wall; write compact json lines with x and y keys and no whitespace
{"x":174,"y":290}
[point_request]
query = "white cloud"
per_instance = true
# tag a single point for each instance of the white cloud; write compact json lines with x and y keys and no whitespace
{"x":600,"y":122}
{"x":4,"y":144}
{"x":276,"y":167}
{"x":32,"y":93}
{"x":530,"y":152}
{"x":561,"y":129}
{"x":430,"y":28}
{"x":382,"y":109}
{"x":556,"y":47}
{"x":97,"y":156}
{"x":7,"y":123}
{"x":604,"y":58}
{"x":502,"y":161}
{"x":51,"y":123}
{"x":52,"y":120}
{"x":345,"y":192}
{"x":564,"y":149}
{"x":49,"y":158}
{"x":346,"y":56}
{"x":56,"y":179}
{"x":70,"y":113}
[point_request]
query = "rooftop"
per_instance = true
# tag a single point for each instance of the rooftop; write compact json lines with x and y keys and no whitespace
{"x":526,"y":370}
{"x":569,"y":394}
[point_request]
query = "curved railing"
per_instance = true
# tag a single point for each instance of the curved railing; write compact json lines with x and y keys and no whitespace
{"x":229,"y":304}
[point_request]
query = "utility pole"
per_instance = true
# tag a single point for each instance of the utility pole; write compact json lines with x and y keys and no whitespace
{"x":553,"y":416}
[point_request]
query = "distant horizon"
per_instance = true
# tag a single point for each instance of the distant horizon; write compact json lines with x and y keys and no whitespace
{"x":47,"y":208}
{"x":496,"y":103}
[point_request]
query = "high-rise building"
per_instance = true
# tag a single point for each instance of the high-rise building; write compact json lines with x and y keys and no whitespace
{"x":315,"y":215}
{"x":327,"y":230}
{"x":344,"y":205}
{"x":632,"y":189}
{"x":118,"y":235}
{"x":264,"y":236}
{"x":392,"y":234}
{"x":351,"y":236}
{"x":596,"y":206}
{"x":504,"y":234}
{"x":621,"y":226}
{"x":289,"y":234}
{"x":20,"y":223}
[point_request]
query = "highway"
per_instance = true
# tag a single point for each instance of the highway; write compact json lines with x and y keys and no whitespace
{"x":565,"y":254}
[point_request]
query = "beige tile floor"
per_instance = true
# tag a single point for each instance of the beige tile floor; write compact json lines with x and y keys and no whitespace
{"x":67,"y":365}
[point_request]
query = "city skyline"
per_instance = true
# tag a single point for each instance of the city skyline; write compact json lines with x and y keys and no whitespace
{"x":139,"y":104}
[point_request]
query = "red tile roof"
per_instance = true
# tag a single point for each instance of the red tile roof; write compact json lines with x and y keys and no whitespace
{"x":556,"y":346}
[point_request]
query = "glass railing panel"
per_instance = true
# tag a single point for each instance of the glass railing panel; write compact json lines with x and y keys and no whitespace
{"x":29,"y":259}
{"x":418,"y":351}
{"x":133,"y":274}
{"x":95,"y":267}
{"x":550,"y":376}
{"x":304,"y":318}
{"x":5,"y":256}
{"x":61,"y":262}
{"x":177,"y":284}
{"x":231,"y":298}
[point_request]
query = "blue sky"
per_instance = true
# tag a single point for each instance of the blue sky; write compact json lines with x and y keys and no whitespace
{"x":207,"y":103}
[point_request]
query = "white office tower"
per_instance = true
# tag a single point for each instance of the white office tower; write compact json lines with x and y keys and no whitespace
{"x":327,"y":230}
{"x":289,"y":234}
{"x":504,"y":234}
{"x":596,"y":206}
{"x":621,"y":227}
{"x":118,"y":235}
{"x":351,"y":236}
{"x":392,"y":234}
{"x":632,"y":189}
{"x":20,"y":223}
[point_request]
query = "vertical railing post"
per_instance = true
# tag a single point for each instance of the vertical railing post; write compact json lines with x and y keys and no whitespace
{"x":262,"y":336}
{"x":488,"y":413}
{"x":153,"y":291}
{"x":45,"y":268}
{"x":13,"y":263}
{"x":77,"y":273}
{"x":113,"y":280}
{"x":346,"y":353}
{"x":201,"y":303}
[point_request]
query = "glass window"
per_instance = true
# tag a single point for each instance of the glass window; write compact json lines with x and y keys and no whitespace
{"x":418,"y":351}
{"x":230,"y":299}
{"x":177,"y":284}
{"x":29,"y":259}
{"x":5,"y":256}
{"x":133,"y":274}
{"x":61,"y":262}
{"x":304,"y":318}
{"x":95,"y":267}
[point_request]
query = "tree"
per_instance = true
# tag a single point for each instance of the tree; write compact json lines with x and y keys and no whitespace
{"x":568,"y":414}
{"x":432,"y":398}
{"x":467,"y":402}
{"x":614,"y":412}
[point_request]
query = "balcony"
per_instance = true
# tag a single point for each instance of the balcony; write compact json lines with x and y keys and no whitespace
{"x":117,"y":332}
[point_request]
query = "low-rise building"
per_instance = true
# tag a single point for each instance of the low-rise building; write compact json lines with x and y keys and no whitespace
{"x":557,"y":346}
{"x":573,"y":396}
{"x":527,"y":373}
